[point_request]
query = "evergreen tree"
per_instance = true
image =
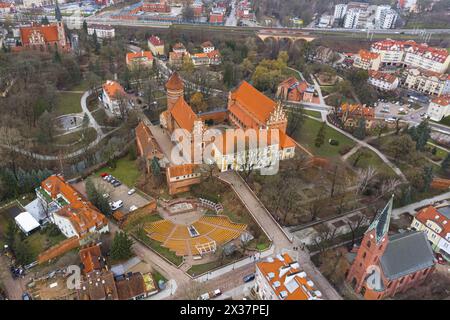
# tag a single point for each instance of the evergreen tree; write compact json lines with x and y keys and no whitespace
{"x":96,"y":43}
{"x":407,"y":196}
{"x":420,"y":134}
{"x":22,"y":252}
{"x":44,"y":20}
{"x":445,"y":164}
{"x":427,"y":178}
{"x":85,"y":27}
{"x":360,"y":131}
{"x":121,"y":247}
{"x":320,"y":138}
{"x":56,"y":56}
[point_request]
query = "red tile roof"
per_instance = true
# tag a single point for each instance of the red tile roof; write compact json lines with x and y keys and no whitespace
{"x":382,"y":76}
{"x":367,"y":55}
{"x":156,"y":41}
{"x":113,"y":89}
{"x":433,"y":214}
{"x":183,"y":115}
{"x":175,"y":83}
{"x":138,"y":55}
{"x":256,"y":103}
{"x":49,"y":33}
{"x":91,"y":258}
{"x":442,"y":100}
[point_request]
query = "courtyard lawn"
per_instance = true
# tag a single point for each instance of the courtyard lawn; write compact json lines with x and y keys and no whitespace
{"x":68,"y":102}
{"x":370,"y":160}
{"x":40,"y":241}
{"x":75,"y":137}
{"x":306,"y":136}
{"x":126,"y":171}
{"x":312,"y":113}
{"x":199,"y":269}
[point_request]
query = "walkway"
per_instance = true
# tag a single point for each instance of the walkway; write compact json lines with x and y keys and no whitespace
{"x":411,"y":208}
{"x":281,"y":241}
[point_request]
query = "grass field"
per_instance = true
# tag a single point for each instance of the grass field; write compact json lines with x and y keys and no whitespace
{"x":307,"y":135}
{"x":126,"y":171}
{"x":370,"y":160}
{"x":68,"y":102}
{"x":312,"y":113}
{"x":74,"y":137}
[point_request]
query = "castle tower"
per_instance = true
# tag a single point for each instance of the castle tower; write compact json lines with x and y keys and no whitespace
{"x":372,"y":247}
{"x":175,"y":89}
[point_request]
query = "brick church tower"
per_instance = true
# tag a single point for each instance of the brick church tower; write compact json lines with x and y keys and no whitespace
{"x":175,"y":89}
{"x":372,"y":247}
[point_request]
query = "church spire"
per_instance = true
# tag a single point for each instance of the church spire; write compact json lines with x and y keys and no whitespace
{"x":58,"y":15}
{"x":381,"y":222}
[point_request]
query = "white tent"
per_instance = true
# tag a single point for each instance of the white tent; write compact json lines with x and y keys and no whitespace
{"x":26,"y":222}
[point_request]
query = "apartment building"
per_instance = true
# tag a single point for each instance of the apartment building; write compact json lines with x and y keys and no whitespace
{"x":427,"y":82}
{"x":367,"y":60}
{"x":382,"y":80}
{"x":439,"y":108}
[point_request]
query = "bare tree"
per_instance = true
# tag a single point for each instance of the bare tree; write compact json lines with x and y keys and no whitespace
{"x":365,"y":177}
{"x":355,"y":225}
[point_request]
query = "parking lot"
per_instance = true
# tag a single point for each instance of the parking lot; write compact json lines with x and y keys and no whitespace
{"x":398,"y":110}
{"x":116,"y":193}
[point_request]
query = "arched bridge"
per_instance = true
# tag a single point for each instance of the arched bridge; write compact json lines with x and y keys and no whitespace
{"x":278,"y":34}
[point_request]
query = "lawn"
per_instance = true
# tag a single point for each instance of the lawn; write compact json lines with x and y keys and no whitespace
{"x":40,"y":241}
{"x":68,"y":102}
{"x":371,"y":159}
{"x":126,"y":171}
{"x":198,"y":269}
{"x":306,"y":136}
{"x":312,"y":113}
{"x":74,"y":137}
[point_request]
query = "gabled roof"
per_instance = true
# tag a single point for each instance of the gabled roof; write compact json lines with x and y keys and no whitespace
{"x":255,"y":102}
{"x":130,"y":287}
{"x":286,"y":279}
{"x":382,"y":76}
{"x":138,"y":55}
{"x":91,"y":258}
{"x":183,"y":115}
{"x":175,"y":82}
{"x":150,"y":147}
{"x":406,"y":253}
{"x":382,"y":220}
{"x":442,"y":100}
{"x":441,"y":216}
{"x":48,"y":32}
{"x":181,"y":170}
{"x":367,"y":55}
{"x":207,"y":44}
{"x":156,"y":41}
{"x":113,"y":88}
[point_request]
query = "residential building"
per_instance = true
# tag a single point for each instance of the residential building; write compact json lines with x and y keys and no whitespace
{"x":44,"y":37}
{"x":200,"y":59}
{"x":367,"y":60}
{"x":383,"y":265}
{"x":207,"y":47}
{"x":387,"y":19}
{"x":350,"y":115}
{"x":179,"y":48}
{"x":292,"y":89}
{"x":439,"y":108}
{"x":139,"y":59}
{"x":424,"y":81}
{"x":69,"y":210}
{"x":435,"y":222}
{"x":412,"y":54}
{"x":325,"y":21}
{"x":217,"y":15}
{"x":197,"y":8}
{"x":339,"y":11}
{"x":98,"y":285}
{"x":147,"y":146}
{"x":244,"y":10}
{"x":37,"y":3}
{"x":176,"y":59}
{"x":383,"y":80}
{"x":102,"y":31}
{"x":114,"y":98}
{"x":92,"y":259}
{"x":351,"y":19}
{"x":135,"y":286}
{"x":6,"y":7}
{"x":160,"y":6}
{"x":180,"y":178}
{"x":156,"y":45}
{"x":281,"y":278}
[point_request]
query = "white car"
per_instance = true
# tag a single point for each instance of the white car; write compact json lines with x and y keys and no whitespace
{"x":133,"y":208}
{"x":131,"y":191}
{"x":106,"y":195}
{"x":116,"y":205}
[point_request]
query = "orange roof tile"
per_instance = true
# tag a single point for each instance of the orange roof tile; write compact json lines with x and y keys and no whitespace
{"x":49,"y":33}
{"x":138,"y":56}
{"x":181,"y":170}
{"x":367,"y":55}
{"x":113,"y":89}
{"x":175,"y":82}
{"x":207,"y":44}
{"x":383,"y":76}
{"x":81,"y":213}
{"x":442,"y":100}
{"x":150,"y":147}
{"x":253,"y":101}
{"x":358,"y":110}
{"x":91,"y":258}
{"x":433,"y":214}
{"x":183,"y":114}
{"x":285,"y":277}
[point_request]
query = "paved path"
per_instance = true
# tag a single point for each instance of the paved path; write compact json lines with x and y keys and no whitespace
{"x":13,"y":287}
{"x":281,"y":241}
{"x":411,"y":208}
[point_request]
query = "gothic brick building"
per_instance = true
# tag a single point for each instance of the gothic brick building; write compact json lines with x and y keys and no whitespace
{"x":385,"y":265}
{"x":44,"y":37}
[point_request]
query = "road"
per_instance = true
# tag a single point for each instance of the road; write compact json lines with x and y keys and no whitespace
{"x":231,"y":20}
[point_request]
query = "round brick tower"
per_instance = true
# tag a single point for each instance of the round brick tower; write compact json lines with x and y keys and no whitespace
{"x":175,"y":89}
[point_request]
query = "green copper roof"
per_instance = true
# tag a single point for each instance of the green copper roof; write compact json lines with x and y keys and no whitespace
{"x":381,"y":222}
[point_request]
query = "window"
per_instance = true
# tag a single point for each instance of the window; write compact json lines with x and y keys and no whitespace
{"x":368,"y":244}
{"x":364,"y":255}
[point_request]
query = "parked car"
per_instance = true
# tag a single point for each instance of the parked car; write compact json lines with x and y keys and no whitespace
{"x":133,"y":207}
{"x":104,"y":174}
{"x":440,"y":259}
{"x":249,"y":277}
{"x":131,"y":191}
{"x":106,"y":195}
{"x":117,"y":183}
{"x":112,"y":181}
{"x":116,"y":205}
{"x":26,"y":296}
{"x":109,"y":178}
{"x":211,"y":294}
